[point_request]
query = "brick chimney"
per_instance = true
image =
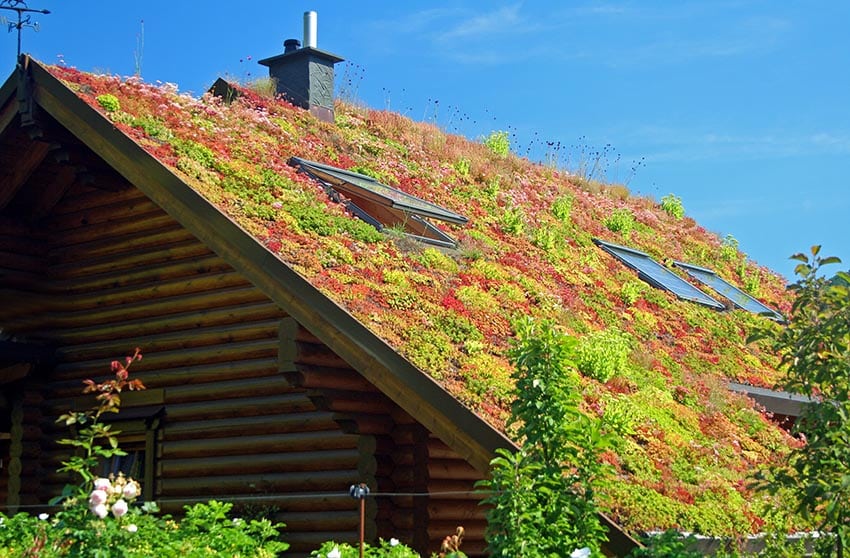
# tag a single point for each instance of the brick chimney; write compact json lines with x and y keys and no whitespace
{"x":305,"y":75}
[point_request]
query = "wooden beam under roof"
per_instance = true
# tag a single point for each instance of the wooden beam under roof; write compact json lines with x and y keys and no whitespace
{"x":12,"y":180}
{"x":7,"y":115}
{"x":51,"y":193}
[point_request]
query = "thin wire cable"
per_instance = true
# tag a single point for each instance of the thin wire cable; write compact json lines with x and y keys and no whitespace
{"x":300,"y":496}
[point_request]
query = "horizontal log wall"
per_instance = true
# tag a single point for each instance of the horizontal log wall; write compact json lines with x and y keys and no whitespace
{"x":257,"y":410}
{"x":121,"y":273}
{"x":453,"y":502}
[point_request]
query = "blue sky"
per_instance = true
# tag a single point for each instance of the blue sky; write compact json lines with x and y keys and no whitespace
{"x":738,"y":107}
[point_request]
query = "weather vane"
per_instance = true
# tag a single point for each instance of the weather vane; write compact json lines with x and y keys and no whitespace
{"x":21,"y":8}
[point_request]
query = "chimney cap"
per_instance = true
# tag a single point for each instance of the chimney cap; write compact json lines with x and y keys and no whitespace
{"x":291,"y":45}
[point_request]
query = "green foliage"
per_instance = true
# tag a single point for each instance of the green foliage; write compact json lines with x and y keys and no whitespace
{"x":206,"y":531}
{"x":631,"y":292}
{"x":672,"y":204}
{"x":729,"y":248}
{"x":562,"y":207}
{"x":432,"y":258}
{"x":548,"y":239}
{"x":669,"y":544}
{"x":815,"y":353}
{"x":380,"y":176}
{"x":385,"y":549}
{"x":543,"y":497}
{"x":319,"y":220}
{"x":429,"y":350}
{"x":499,"y":143}
{"x":152,"y":126}
{"x":462,"y":166}
{"x":512,"y":220}
{"x":458,"y":328}
{"x":604,"y":353}
{"x":95,"y":440}
{"x":109,"y":102}
{"x":621,"y":220}
{"x":98,"y":518}
{"x":220,"y":535}
{"x":194,"y":151}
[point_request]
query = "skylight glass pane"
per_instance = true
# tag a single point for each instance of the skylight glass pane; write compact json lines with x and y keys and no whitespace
{"x":656,"y":274}
{"x":367,"y":186}
{"x":738,"y":297}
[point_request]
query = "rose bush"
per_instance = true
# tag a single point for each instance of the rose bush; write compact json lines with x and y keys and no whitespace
{"x":101,"y":518}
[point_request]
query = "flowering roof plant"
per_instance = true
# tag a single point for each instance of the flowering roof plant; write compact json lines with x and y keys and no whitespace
{"x":686,"y":443}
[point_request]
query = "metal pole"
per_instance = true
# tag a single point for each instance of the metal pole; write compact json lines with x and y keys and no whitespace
{"x":362,"y":525}
{"x":359,"y":492}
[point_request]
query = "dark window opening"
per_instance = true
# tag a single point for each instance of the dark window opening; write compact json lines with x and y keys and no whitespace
{"x":138,"y":435}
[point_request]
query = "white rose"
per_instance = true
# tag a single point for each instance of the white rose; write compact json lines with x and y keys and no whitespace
{"x":119,"y":508}
{"x":97,"y":497}
{"x":131,"y":490}
{"x":335,"y":553}
{"x":100,"y":510}
{"x":394,"y":542}
{"x":102,"y":484}
{"x":43,"y":516}
{"x":132,"y":528}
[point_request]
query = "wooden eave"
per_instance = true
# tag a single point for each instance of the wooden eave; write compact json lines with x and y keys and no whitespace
{"x":414,"y":391}
{"x":774,"y":401}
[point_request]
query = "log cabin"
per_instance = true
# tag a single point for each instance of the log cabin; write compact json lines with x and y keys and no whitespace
{"x":265,"y":386}
{"x":261,"y":390}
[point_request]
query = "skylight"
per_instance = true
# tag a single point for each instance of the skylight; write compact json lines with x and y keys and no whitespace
{"x":725,"y":289}
{"x":657,"y":275}
{"x":381,"y":205}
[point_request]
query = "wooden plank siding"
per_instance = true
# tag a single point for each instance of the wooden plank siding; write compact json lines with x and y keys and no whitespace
{"x":257,"y":409}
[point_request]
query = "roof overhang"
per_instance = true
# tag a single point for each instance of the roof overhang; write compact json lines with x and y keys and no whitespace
{"x":774,"y":401}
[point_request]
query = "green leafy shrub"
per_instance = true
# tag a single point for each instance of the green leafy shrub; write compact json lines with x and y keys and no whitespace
{"x":672,"y":204}
{"x":98,"y":518}
{"x":543,"y":497}
{"x":669,"y":544}
{"x":512,"y":220}
{"x":109,"y":102}
{"x":621,"y":220}
{"x":385,"y":549}
{"x":729,"y":248}
{"x":562,"y":207}
{"x":462,"y":167}
{"x":499,"y":143}
{"x":815,"y":352}
{"x":602,"y":354}
{"x":631,"y":292}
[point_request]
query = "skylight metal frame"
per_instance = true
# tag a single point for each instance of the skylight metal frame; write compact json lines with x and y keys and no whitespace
{"x":340,"y":183}
{"x":369,"y":188}
{"x":657,"y":275}
{"x":729,"y":291}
